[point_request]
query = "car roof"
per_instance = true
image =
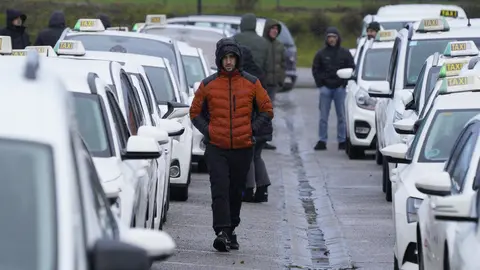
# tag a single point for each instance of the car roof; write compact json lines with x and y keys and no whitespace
{"x":395,"y":18}
{"x":419,"y":8}
{"x":186,"y":49}
{"x":464,"y":32}
{"x":163,"y":39}
{"x":126,"y":57}
{"x":460,"y":100}
{"x":32,"y":102}
{"x":183,"y":26}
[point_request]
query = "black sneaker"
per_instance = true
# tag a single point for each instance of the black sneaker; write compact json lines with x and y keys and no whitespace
{"x":261,"y":194}
{"x":222,"y":243}
{"x":233,"y":241}
{"x":320,"y":146}
{"x":248,"y":195}
{"x":269,"y":146}
{"x":342,"y":146}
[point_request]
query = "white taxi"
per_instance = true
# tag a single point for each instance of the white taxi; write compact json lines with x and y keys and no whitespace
{"x":360,"y":107}
{"x":453,"y":107}
{"x":411,"y":49}
{"x":196,"y":66}
{"x":453,"y":11}
{"x":63,"y":213}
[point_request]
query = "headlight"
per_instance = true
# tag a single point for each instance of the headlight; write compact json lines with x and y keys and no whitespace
{"x":412,"y":208}
{"x":364,"y":101}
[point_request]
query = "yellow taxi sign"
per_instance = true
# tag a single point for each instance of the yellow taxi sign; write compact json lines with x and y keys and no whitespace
{"x":433,"y":25}
{"x":156,"y":19}
{"x":19,"y":52}
{"x":457,"y":81}
{"x":89,"y":25}
{"x":459,"y":84}
{"x":452,"y":67}
{"x":386,"y":35}
{"x":449,"y":13}
{"x":461,"y":48}
{"x":70,"y":47}
{"x":5,"y":45}
{"x":42,"y":50}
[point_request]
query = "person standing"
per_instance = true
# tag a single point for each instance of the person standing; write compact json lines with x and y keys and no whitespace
{"x":15,"y":29}
{"x":249,"y":38}
{"x":332,"y":88}
{"x":372,"y":29}
{"x":105,"y":20}
{"x":229,"y":108}
{"x":49,"y":36}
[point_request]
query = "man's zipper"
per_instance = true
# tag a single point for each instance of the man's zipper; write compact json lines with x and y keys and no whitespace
{"x":231,"y":114}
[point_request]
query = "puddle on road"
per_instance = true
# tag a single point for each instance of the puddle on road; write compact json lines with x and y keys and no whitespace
{"x":316,"y":241}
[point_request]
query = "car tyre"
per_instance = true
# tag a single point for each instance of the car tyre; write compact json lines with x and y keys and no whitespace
{"x":354,"y":152}
{"x":378,"y":155}
{"x":180,"y":193}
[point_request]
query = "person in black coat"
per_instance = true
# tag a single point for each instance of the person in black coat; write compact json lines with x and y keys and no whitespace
{"x":105,"y":20}
{"x":15,"y":29}
{"x":49,"y":36}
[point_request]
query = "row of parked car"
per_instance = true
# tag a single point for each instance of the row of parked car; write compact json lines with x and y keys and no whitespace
{"x":414,"y":99}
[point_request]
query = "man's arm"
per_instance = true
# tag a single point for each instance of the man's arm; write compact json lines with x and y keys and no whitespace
{"x":196,"y":110}
{"x":264,"y":105}
{"x":317,"y":69}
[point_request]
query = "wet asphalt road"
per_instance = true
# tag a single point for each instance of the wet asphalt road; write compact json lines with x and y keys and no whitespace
{"x":324,"y":211}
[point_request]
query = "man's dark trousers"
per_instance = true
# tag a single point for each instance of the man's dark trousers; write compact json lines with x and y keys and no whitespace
{"x":228,"y":169}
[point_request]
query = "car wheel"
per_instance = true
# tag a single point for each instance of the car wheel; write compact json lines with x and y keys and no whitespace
{"x":354,"y":152}
{"x":384,"y":175}
{"x":395,"y":263}
{"x":180,"y":193}
{"x":202,"y":166}
{"x":378,"y":155}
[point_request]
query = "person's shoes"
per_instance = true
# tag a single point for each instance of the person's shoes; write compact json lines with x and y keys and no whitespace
{"x":233,"y":242}
{"x":320,"y":146}
{"x":222,"y":242}
{"x":342,"y":146}
{"x":247,"y":195}
{"x":261,"y":194}
{"x":269,"y":146}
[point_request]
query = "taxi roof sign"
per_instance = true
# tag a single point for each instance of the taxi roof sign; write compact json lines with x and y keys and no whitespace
{"x":156,"y":19}
{"x":461,"y":48}
{"x":452,"y":68}
{"x":23,"y":52}
{"x":89,"y":25}
{"x":433,"y":25}
{"x":386,"y":35}
{"x":459,"y":84}
{"x":5,"y":45}
{"x":42,"y":50}
{"x":137,"y":26}
{"x":70,"y":47}
{"x":449,"y":13}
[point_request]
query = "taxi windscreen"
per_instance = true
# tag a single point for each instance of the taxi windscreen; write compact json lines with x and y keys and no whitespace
{"x":420,"y":50}
{"x":161,"y":84}
{"x":443,"y":132}
{"x":28,"y":229}
{"x":194,"y":69}
{"x":375,"y":64}
{"x":91,"y":122}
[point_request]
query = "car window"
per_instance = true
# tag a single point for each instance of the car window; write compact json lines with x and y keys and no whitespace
{"x":393,"y":25}
{"x":91,"y":120}
{"x":375,"y":64}
{"x":143,"y":88}
{"x":161,"y":84}
{"x":120,"y":125}
{"x":134,"y":112}
{"x":194,"y":68}
{"x":418,"y":87}
{"x":462,"y":163}
{"x":416,"y":139}
{"x":419,"y":51}
{"x":431,"y":81}
{"x":457,"y":148}
{"x":445,"y":127}
{"x":27,"y":196}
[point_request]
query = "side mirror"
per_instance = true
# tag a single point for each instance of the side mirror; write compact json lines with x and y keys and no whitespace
{"x":455,"y":208}
{"x":172,"y":127}
{"x":112,"y":190}
{"x":396,"y":153}
{"x":115,"y":255}
{"x":176,"y":110}
{"x":196,"y":86}
{"x":345,"y":73}
{"x":141,"y":148}
{"x":158,"y":245}
{"x":405,"y":126}
{"x":153,"y":132}
{"x":380,"y":90}
{"x":434,"y":184}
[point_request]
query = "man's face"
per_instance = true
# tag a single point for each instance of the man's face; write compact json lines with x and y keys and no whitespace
{"x":17,"y":22}
{"x":332,"y":39}
{"x":273,"y":33}
{"x":229,"y":61}
{"x":371,"y":33}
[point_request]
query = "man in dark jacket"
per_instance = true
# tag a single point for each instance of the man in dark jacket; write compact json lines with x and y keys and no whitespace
{"x":15,"y":29}
{"x":105,"y":20}
{"x":49,"y":36}
{"x":249,"y":38}
{"x":372,"y":29}
{"x":230,"y":109}
{"x":326,"y":63}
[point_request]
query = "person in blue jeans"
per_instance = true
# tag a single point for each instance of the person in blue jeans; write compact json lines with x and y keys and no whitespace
{"x":327,"y":61}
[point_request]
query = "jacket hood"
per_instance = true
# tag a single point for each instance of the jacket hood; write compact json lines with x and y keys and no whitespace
{"x":57,"y":19}
{"x":224,"y":47}
{"x":333,"y":30}
{"x":268,"y":25}
{"x":105,"y":20}
{"x":248,"y":22}
{"x":12,"y":14}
